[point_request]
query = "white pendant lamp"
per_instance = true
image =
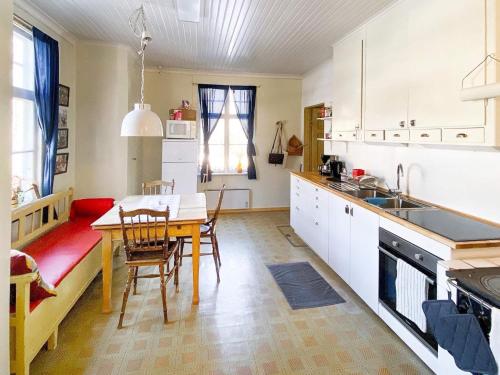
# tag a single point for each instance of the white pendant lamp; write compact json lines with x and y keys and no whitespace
{"x":141,"y":122}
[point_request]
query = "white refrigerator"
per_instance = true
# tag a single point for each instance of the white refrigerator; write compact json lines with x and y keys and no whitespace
{"x":180,"y":163}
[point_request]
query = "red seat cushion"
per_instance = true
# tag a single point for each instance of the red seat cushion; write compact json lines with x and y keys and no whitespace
{"x":59,"y":251}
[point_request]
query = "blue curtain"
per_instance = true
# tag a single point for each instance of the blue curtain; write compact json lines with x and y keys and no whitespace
{"x":47,"y":102}
{"x":244,"y":100}
{"x":212,"y":100}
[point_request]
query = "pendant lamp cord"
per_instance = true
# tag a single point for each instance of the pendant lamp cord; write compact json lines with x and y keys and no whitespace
{"x":142,"y":79}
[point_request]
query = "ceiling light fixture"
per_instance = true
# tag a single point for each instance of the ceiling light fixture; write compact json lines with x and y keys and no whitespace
{"x":189,"y":10}
{"x":141,"y":122}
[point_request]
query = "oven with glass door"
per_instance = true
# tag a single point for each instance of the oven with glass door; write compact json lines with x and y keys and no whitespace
{"x":392,"y":248}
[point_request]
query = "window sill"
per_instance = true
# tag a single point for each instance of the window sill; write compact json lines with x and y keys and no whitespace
{"x":227,"y":174}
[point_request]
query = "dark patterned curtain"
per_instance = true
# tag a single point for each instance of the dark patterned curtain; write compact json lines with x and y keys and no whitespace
{"x":47,"y":102}
{"x":244,"y":100}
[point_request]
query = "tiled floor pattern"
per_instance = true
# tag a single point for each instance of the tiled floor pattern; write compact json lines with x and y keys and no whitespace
{"x":242,"y":326}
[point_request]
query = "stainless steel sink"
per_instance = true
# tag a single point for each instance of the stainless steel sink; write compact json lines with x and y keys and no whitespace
{"x":396,"y":203}
{"x":364,"y":194}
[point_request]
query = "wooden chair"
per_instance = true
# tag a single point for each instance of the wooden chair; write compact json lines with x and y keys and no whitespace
{"x":208,"y":230}
{"x":144,"y":248}
{"x":158,"y":187}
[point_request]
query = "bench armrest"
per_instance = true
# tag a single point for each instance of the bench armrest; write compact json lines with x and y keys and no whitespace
{"x":24,"y":278}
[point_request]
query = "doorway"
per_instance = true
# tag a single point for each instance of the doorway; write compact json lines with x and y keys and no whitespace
{"x":313,"y":129}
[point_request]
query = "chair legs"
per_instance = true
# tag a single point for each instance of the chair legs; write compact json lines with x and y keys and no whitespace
{"x":214,"y":254}
{"x":163,"y":292}
{"x":131,"y":272}
{"x":217,"y":250}
{"x":136,"y":272}
{"x":176,"y":270}
{"x":181,"y":250}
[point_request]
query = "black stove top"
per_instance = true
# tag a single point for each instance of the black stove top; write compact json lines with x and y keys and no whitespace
{"x":456,"y":227}
{"x":483,"y":282}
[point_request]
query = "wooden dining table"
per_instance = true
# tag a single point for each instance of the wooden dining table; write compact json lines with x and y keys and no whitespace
{"x":187,"y":213}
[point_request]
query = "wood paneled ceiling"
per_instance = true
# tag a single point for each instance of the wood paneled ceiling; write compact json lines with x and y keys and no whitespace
{"x":259,"y":36}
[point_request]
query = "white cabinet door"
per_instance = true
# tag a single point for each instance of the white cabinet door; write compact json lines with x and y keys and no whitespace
{"x":446,"y":39}
{"x":386,"y":81}
{"x":347,"y":82}
{"x":184,"y":174}
{"x":182,"y":151}
{"x":339,"y":236}
{"x":364,"y":265}
{"x":320,"y":222}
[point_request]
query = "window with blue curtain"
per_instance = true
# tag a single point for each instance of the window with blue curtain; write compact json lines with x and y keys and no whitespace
{"x":228,"y":119}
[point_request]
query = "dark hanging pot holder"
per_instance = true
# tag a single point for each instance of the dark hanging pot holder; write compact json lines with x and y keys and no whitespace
{"x":435,"y":309}
{"x":461,"y":336}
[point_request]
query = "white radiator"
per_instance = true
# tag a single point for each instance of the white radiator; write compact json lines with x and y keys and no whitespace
{"x":233,"y":198}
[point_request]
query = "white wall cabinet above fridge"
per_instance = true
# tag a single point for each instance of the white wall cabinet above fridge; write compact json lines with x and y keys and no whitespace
{"x":415,"y":55}
{"x":347,"y":94}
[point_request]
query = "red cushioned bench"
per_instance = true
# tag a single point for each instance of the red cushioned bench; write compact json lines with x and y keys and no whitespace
{"x":68,"y":254}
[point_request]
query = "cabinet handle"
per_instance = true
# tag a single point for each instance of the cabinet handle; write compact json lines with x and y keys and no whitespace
{"x":346,"y":209}
{"x":373,"y":135}
{"x":296,"y":208}
{"x":396,"y":135}
{"x":412,"y":122}
{"x":317,"y":206}
{"x":317,"y":198}
{"x":424,"y":135}
{"x":316,"y":223}
{"x":352,"y":211}
{"x":402,"y":124}
{"x":340,"y":135}
{"x":461,"y":135}
{"x":357,"y":126}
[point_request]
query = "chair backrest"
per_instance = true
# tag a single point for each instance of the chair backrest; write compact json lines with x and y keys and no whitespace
{"x":219,"y":204}
{"x":158,"y":187}
{"x":140,"y":230}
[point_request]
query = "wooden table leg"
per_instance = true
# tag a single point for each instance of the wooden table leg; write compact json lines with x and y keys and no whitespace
{"x":195,"y":233}
{"x":107,"y":271}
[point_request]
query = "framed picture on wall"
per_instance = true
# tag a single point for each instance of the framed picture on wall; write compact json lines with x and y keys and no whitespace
{"x":64,"y":95}
{"x":63,"y":117}
{"x":62,"y":163}
{"x":62,"y":138}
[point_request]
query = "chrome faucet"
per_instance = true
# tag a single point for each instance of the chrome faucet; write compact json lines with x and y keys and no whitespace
{"x":400,"y":174}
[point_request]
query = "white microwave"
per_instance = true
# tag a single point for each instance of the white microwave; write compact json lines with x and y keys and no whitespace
{"x":181,"y":129}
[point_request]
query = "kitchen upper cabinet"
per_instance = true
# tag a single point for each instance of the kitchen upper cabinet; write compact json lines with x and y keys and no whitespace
{"x":348,"y":82}
{"x":446,"y":39}
{"x":339,"y":240}
{"x":386,"y":82}
{"x":364,"y":254}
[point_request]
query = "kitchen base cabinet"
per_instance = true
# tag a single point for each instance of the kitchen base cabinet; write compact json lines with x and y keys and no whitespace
{"x":341,"y":233}
{"x":339,"y":236}
{"x":364,"y":254}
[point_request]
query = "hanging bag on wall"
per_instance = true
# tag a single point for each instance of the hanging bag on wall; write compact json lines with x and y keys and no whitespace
{"x":276,"y":156}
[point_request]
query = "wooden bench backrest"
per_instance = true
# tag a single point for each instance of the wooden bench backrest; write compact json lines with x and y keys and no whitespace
{"x":28,"y":220}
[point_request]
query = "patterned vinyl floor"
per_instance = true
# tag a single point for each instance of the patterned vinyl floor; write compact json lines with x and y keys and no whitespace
{"x":242,"y":326}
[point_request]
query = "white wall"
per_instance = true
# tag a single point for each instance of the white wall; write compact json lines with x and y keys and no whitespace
{"x":317,"y":85}
{"x":278,"y":98}
{"x":462,"y":179}
{"x":67,"y":77}
{"x":104,"y":93}
{"x":5,"y":148}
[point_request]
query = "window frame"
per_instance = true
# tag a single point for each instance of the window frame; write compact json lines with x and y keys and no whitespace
{"x":29,"y":95}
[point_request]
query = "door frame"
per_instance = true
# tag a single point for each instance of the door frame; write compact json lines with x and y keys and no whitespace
{"x":307,"y":136}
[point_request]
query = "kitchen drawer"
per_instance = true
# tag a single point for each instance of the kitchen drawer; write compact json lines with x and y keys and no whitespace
{"x":374,"y":135}
{"x":463,"y":136}
{"x":397,"y":135}
{"x":344,"y":136}
{"x":425,"y":135}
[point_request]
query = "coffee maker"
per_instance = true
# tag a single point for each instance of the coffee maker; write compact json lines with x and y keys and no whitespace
{"x":325,"y":168}
{"x":336,"y":168}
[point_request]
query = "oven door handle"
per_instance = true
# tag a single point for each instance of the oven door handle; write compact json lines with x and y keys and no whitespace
{"x":454,"y":284}
{"x":385,"y":252}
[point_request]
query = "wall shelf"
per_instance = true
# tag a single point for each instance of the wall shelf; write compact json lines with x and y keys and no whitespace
{"x":324,"y":118}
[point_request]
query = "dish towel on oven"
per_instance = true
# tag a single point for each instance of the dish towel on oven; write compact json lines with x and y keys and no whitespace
{"x":495,"y":334}
{"x":411,"y":291}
